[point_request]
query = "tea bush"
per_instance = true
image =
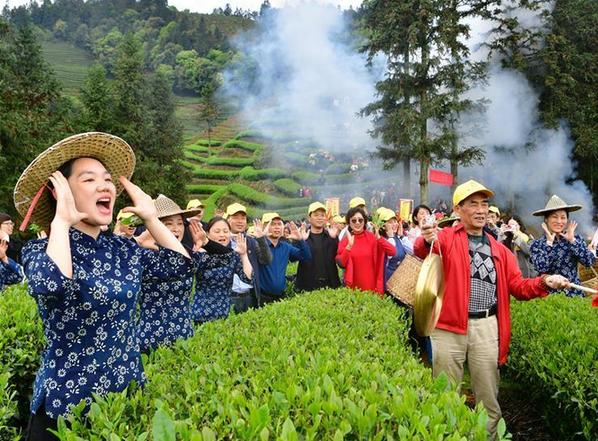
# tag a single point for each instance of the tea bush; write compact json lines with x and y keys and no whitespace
{"x":208,"y":143}
{"x":329,"y":365}
{"x":21,"y":343}
{"x":249,"y":146}
{"x":287,"y":186}
{"x":555,"y":353}
{"x":253,"y":196}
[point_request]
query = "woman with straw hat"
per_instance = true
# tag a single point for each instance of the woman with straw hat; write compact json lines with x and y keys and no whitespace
{"x":165,"y":313}
{"x":86,"y":283}
{"x":560,"y":249}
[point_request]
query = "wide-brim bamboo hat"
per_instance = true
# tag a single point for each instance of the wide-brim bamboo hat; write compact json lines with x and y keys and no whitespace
{"x":116,"y":155}
{"x":429,"y":292}
{"x":556,"y":203}
{"x":167,"y":207}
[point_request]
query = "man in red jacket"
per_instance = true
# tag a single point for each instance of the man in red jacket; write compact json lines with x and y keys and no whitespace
{"x":479,"y":273}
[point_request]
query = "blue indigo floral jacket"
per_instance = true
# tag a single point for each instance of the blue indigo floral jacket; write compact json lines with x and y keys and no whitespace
{"x":89,"y":321}
{"x":561,"y":258}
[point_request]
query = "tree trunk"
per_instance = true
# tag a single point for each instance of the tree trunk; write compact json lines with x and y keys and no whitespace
{"x":407,"y":177}
{"x":423,"y":181}
{"x":454,"y":166}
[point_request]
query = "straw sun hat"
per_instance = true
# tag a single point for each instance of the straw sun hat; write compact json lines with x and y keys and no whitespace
{"x":116,"y":155}
{"x":556,"y":203}
{"x":167,"y":207}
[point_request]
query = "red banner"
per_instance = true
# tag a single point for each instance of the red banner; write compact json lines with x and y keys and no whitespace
{"x":440,"y":177}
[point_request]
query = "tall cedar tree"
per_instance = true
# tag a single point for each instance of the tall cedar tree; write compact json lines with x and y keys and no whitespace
{"x":427,"y":73}
{"x":33,"y":114}
{"x":98,"y":100}
{"x":144,"y":117}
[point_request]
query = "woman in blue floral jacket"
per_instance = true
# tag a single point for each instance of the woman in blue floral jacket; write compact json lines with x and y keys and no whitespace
{"x":560,"y":249}
{"x":215,"y":275}
{"x":86,"y":282}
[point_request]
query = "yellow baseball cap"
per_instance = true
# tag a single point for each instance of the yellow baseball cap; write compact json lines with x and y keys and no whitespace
{"x":267,"y":217}
{"x":468,"y":188}
{"x":123,"y":215}
{"x":386,"y":214}
{"x":235,"y":208}
{"x":194,"y":203}
{"x":314,"y":206}
{"x":355,"y":202}
{"x":339,"y":219}
{"x":494,"y":209}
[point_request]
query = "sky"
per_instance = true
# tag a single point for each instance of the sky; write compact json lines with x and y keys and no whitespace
{"x":209,"y":5}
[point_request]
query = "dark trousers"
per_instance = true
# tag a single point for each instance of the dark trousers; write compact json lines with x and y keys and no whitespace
{"x":39,"y":423}
{"x":242,"y":302}
{"x":266,"y":298}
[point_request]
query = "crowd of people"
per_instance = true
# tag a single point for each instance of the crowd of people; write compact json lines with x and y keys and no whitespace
{"x":107,"y":295}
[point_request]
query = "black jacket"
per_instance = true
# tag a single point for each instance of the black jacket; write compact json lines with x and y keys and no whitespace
{"x":306,"y":270}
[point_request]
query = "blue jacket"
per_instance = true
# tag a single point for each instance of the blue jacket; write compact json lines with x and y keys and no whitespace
{"x":10,"y":273}
{"x":561,"y":258}
{"x":273,"y":276}
{"x":392,"y":263}
{"x":89,"y":320}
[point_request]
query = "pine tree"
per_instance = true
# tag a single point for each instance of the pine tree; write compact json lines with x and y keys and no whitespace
{"x":427,"y":74}
{"x":33,"y":114}
{"x":98,"y":101}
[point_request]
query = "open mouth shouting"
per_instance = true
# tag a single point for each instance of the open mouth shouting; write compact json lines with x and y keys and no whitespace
{"x":104,"y":206}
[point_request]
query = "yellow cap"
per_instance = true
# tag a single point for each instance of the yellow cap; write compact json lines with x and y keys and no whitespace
{"x":468,"y":188}
{"x":195,"y":203}
{"x":386,"y":214}
{"x":355,"y":202}
{"x":315,"y":206}
{"x":234,"y":208}
{"x":494,"y":209}
{"x":267,"y":217}
{"x":339,"y":219}
{"x":122,"y":215}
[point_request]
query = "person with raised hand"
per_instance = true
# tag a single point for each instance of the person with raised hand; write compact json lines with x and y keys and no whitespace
{"x":247,"y":295}
{"x":392,"y":231}
{"x":362,"y":253}
{"x":87,"y":282}
{"x":216,"y":272}
{"x":273,"y":276}
{"x":321,"y":271}
{"x":10,"y":271}
{"x":480,"y":274}
{"x":165,"y":309}
{"x":560,"y":249}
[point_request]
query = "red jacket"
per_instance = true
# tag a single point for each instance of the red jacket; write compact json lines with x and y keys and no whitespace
{"x":364,"y":263}
{"x":454,"y":245}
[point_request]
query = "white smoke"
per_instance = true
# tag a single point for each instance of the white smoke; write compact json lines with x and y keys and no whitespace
{"x":311,"y":82}
{"x":525,"y":161}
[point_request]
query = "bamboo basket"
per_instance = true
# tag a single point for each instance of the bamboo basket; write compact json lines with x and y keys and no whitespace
{"x":588,"y":275}
{"x":401,"y":284}
{"x":587,"y":272}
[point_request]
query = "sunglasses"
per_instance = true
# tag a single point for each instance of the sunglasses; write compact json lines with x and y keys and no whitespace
{"x":357,"y":220}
